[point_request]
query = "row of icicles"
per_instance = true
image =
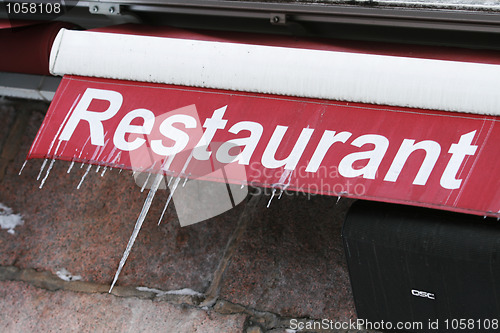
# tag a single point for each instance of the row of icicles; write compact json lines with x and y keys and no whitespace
{"x":282,"y":184}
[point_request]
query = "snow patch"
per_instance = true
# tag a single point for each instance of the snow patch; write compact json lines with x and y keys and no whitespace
{"x":8,"y":220}
{"x":63,"y":274}
{"x":151,"y":290}
{"x":184,"y":292}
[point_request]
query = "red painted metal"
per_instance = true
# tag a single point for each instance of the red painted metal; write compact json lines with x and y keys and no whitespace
{"x":478,"y":191}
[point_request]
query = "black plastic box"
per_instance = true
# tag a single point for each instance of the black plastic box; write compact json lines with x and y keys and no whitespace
{"x":416,"y":265}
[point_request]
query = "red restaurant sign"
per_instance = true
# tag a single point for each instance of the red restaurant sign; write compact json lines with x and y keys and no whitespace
{"x":419,"y":157}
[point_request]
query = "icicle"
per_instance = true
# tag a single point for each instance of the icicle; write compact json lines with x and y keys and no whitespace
{"x":242,"y":185}
{"x":50,"y":166}
{"x":138,"y":225}
{"x":84,"y":175}
{"x":149,"y":175}
{"x":117,"y":157}
{"x":104,"y":171}
{"x":144,"y":185}
{"x":97,"y":158}
{"x":186,"y":179}
{"x":110,"y":155}
{"x":281,"y":184}
{"x":24,"y":164}
{"x":41,"y":168}
{"x":484,"y":217}
{"x":47,"y":174}
{"x":174,"y":187}
{"x":271,"y":199}
{"x":93,"y":158}
{"x":120,"y":171}
{"x":289,"y":176}
{"x":79,"y":156}
{"x":172,"y":190}
{"x":53,"y":141}
{"x":338,"y":199}
{"x":70,"y":166}
{"x":101,"y":150}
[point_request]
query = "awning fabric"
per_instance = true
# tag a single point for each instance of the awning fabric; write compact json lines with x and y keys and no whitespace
{"x":26,"y":45}
{"x":304,"y":116}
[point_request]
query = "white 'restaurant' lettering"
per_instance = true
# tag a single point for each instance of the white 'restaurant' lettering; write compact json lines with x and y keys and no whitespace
{"x":250,"y":143}
{"x":180,"y":137}
{"x":125,"y":127}
{"x":268,"y":159}
{"x":245,"y":147}
{"x":459,"y":151}
{"x":212,"y":125}
{"x":374,"y":157}
{"x":94,"y":119}
{"x":432,"y":150}
{"x":327,"y":140}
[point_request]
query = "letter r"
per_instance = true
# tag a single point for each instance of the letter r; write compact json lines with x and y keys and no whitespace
{"x":94,"y":119}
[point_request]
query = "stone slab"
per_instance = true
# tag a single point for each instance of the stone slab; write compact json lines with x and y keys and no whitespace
{"x":291,"y":260}
{"x":86,"y":230}
{"x":24,"y":308}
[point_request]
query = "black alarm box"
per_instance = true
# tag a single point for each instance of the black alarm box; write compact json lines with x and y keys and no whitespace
{"x":423,"y":270}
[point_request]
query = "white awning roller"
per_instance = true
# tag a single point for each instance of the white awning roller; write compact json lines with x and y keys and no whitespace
{"x":366,"y":78}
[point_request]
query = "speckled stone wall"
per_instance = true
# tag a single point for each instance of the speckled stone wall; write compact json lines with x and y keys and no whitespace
{"x":254,"y":267}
